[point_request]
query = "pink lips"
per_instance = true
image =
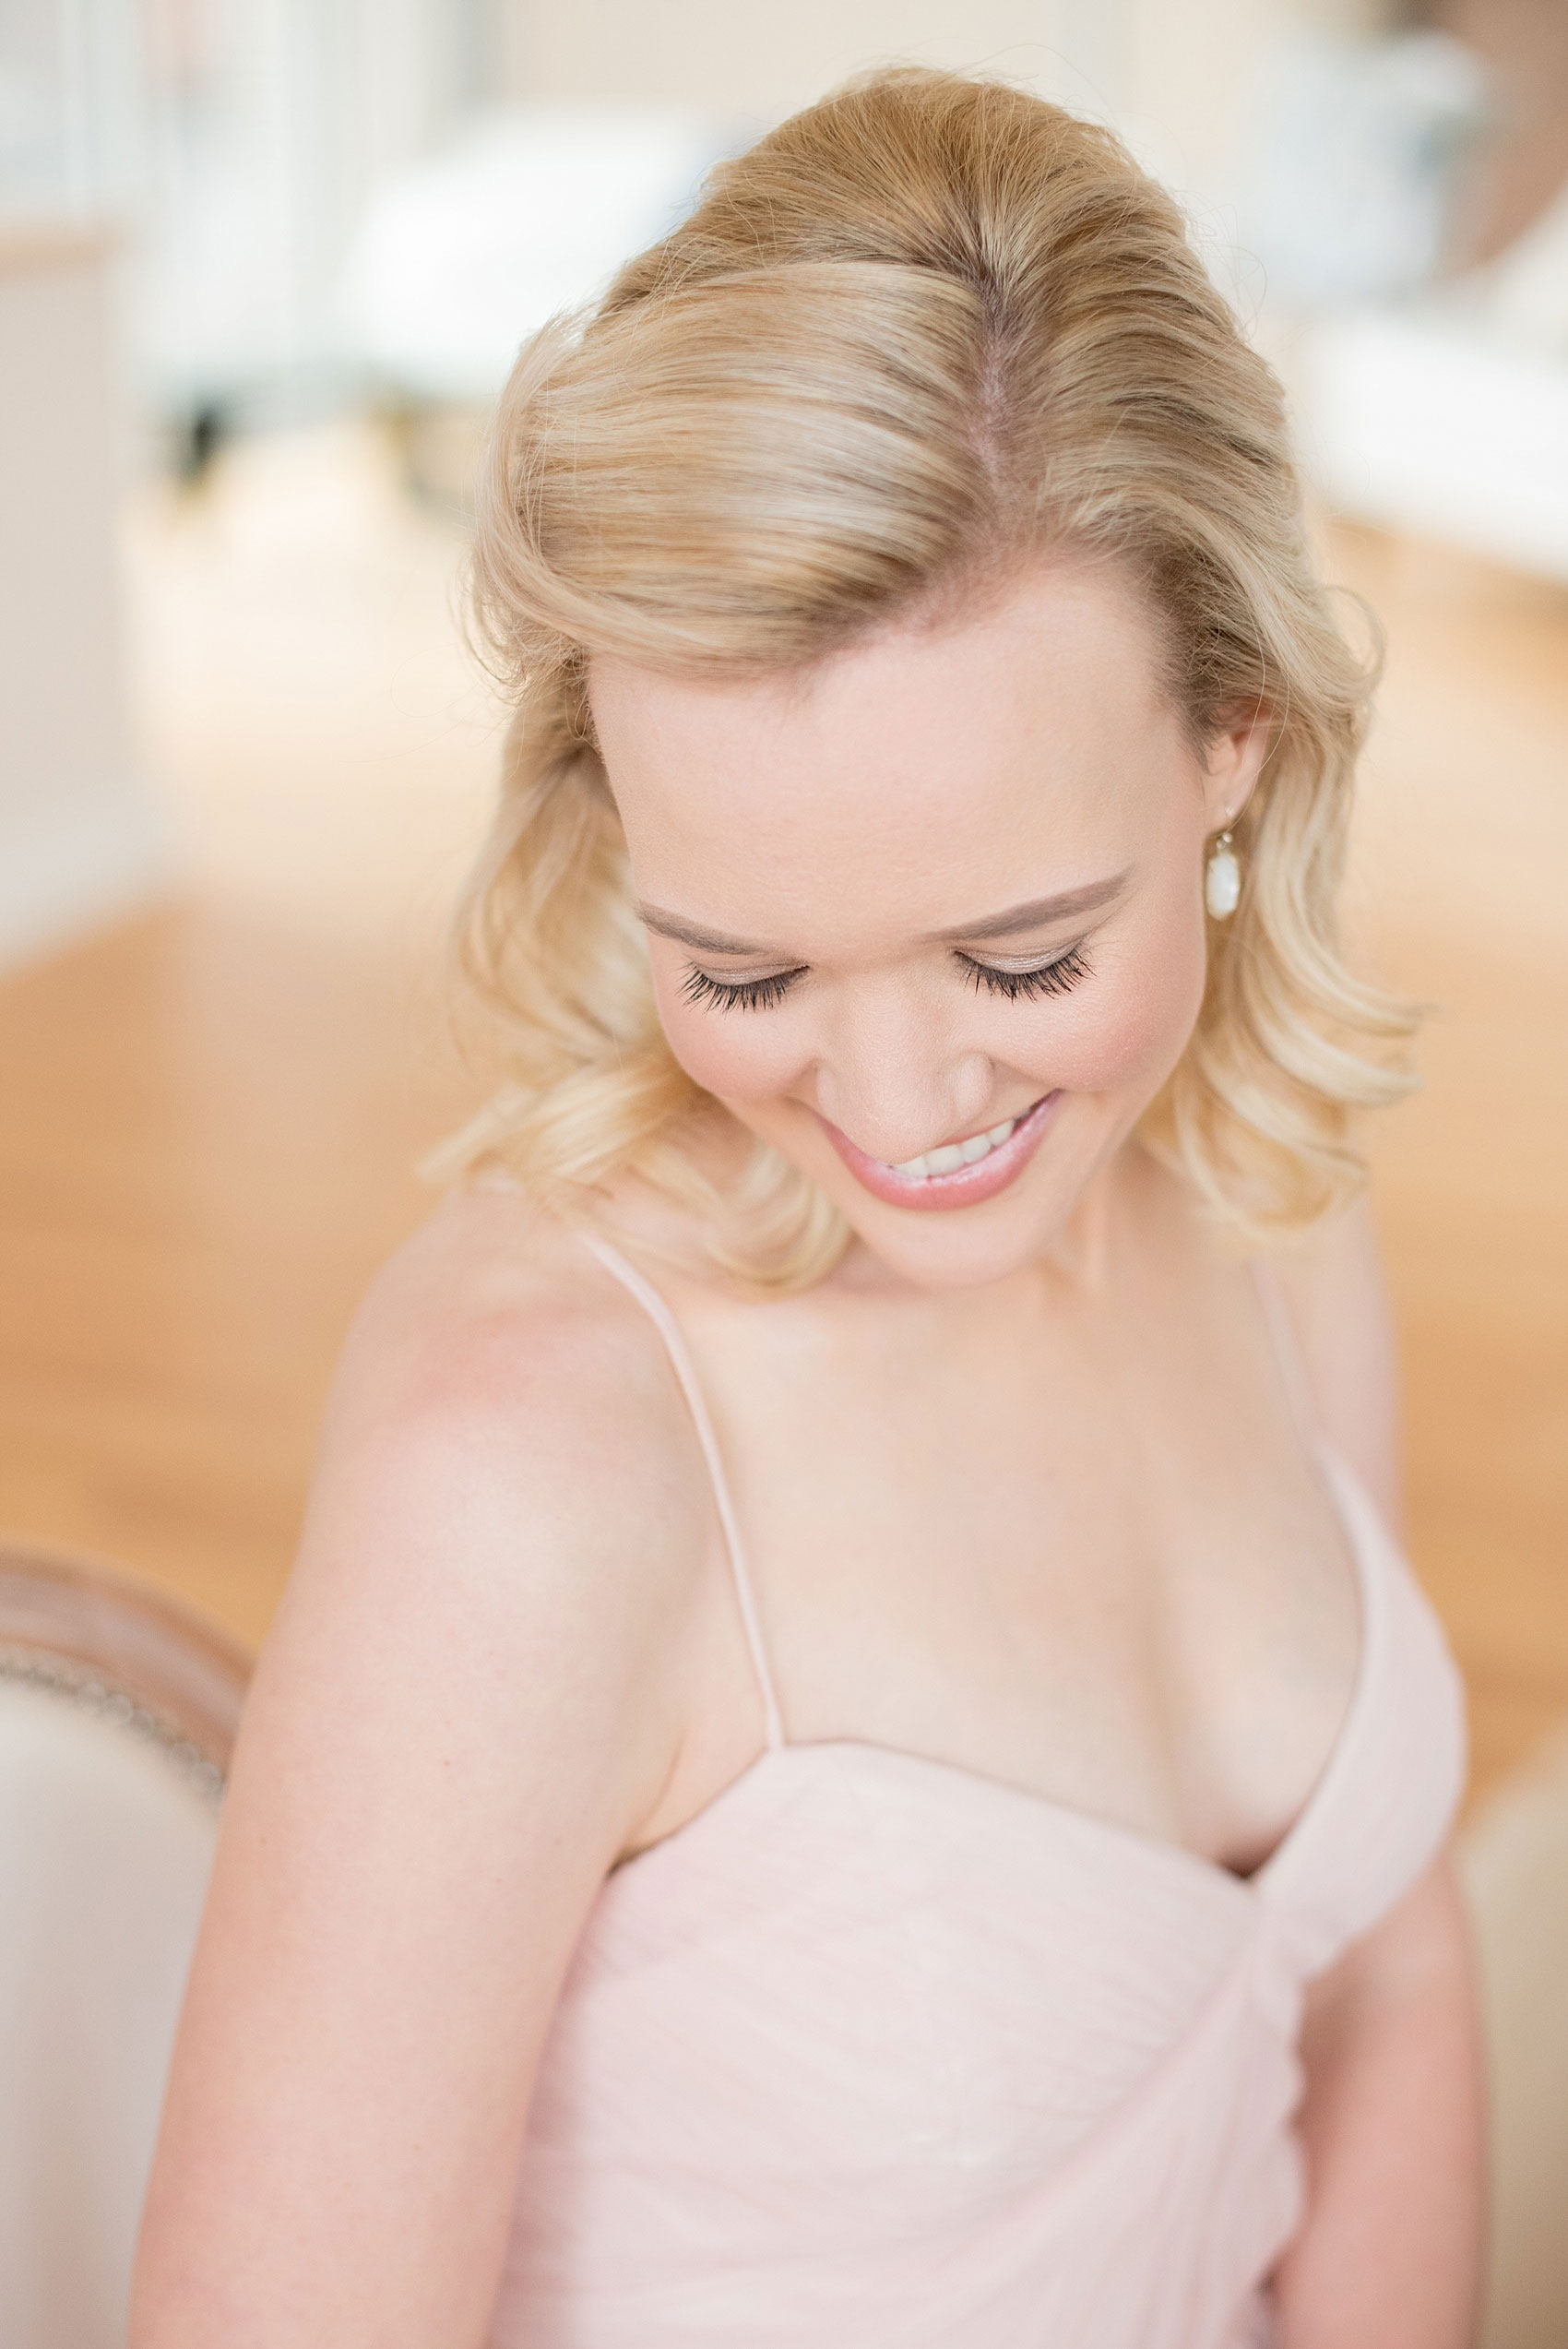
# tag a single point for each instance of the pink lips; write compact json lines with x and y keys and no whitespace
{"x":966,"y":1185}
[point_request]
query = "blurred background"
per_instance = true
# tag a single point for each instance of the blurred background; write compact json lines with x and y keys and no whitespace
{"x":263,"y":266}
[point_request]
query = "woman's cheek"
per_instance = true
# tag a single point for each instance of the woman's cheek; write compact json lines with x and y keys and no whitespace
{"x":738,"y":1054}
{"x":1137,"y":1017}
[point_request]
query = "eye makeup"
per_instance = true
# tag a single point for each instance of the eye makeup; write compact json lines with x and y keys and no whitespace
{"x":737,"y":995}
{"x":1056,"y":977}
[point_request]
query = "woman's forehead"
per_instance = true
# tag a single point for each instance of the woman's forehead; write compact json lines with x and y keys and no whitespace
{"x":1043,"y":712}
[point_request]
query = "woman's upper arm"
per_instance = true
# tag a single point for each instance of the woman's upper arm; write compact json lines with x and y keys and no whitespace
{"x":1394,"y":2128}
{"x":462,"y":1710}
{"x":1336,"y":1296}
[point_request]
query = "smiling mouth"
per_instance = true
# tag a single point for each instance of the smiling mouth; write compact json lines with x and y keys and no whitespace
{"x":958,"y":1173}
{"x":949,"y":1156}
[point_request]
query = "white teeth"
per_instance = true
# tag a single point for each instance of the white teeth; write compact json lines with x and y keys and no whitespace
{"x":954,"y":1154}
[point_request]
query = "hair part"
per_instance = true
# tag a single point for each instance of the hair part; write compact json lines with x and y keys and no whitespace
{"x":923,"y":333}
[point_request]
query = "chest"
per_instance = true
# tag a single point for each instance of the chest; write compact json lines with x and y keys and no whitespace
{"x":1087,"y":1556}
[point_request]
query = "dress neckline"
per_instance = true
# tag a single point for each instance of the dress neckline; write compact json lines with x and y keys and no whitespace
{"x":1353,"y":1508}
{"x":1362,"y":1528}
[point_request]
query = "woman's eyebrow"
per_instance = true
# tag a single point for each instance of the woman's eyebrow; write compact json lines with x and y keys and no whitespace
{"x":1033,"y":915}
{"x":670,"y":926}
{"x":1040,"y":911}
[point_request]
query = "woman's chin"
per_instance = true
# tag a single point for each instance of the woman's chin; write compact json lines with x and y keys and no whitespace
{"x":967,"y":1251}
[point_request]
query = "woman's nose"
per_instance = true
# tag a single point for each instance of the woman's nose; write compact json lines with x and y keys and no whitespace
{"x":892,"y":1080}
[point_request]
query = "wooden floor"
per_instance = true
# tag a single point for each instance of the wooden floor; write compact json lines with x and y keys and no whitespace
{"x":1458,"y":890}
{"x":211,"y":1115}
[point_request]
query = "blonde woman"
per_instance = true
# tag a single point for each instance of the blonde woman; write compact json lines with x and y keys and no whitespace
{"x":851,"y":1759}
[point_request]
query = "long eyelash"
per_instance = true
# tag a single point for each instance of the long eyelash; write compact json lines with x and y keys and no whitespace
{"x":1056,"y":978}
{"x":737,"y":995}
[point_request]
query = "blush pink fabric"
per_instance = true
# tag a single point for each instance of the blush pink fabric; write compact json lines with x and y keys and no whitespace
{"x":877,"y":2054}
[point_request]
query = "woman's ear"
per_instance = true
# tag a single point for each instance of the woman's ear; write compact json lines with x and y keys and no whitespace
{"x":1237,"y":749}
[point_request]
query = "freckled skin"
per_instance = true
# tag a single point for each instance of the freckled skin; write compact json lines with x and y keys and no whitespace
{"x":927,"y":777}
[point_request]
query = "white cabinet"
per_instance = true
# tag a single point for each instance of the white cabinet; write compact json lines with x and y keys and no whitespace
{"x":80,"y":839}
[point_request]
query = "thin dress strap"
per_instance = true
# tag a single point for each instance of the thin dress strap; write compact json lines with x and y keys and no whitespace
{"x":1287,"y":1351}
{"x":664,"y":1322}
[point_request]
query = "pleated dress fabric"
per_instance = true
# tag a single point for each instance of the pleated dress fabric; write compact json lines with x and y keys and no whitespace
{"x":874,"y":2052}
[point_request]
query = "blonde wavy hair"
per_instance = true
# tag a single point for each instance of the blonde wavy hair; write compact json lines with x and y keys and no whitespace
{"x":924,"y":331}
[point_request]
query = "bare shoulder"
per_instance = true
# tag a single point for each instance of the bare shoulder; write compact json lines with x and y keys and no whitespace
{"x":1336,"y":1294}
{"x":492,"y":1344}
{"x":470,"y":1702}
{"x":505,"y":1479}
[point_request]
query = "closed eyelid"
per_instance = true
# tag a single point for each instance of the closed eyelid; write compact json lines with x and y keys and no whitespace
{"x":1040,"y":958}
{"x":1013,"y":977}
{"x":1021,"y":958}
{"x":1036,"y":914}
{"x":717,"y":987}
{"x":761,"y":993}
{"x":768,"y":973}
{"x":1018,"y":959}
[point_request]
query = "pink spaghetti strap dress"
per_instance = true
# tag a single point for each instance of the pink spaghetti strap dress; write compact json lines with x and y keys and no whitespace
{"x":874,"y":2052}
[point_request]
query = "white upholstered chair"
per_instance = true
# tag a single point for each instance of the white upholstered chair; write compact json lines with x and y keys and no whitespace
{"x":1515,"y":1858}
{"x":118,"y":1712}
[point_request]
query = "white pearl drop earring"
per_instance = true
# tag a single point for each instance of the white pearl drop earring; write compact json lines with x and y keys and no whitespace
{"x":1222,"y":878}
